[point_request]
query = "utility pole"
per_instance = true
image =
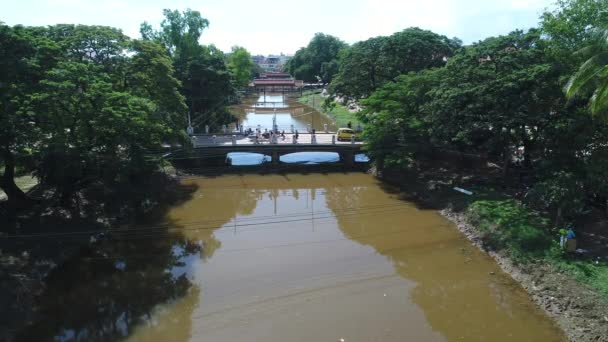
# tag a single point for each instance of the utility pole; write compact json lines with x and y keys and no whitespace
{"x":313,"y":113}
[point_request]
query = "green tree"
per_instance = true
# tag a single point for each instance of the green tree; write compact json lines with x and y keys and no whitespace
{"x":102,"y":108}
{"x":496,"y":95}
{"x":24,"y":57}
{"x":93,"y":131}
{"x":318,"y":60}
{"x":179,"y":32}
{"x":368,"y":65}
{"x":241,"y":66}
{"x":569,"y":26}
{"x":396,"y":118}
{"x":202,"y":70}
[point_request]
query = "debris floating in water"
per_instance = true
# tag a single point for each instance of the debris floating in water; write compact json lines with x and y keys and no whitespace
{"x":466,"y":192}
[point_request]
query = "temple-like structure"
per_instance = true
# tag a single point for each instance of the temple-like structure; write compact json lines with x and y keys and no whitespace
{"x":276,"y":82}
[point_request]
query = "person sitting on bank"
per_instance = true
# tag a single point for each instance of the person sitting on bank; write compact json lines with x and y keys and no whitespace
{"x":568,"y":240}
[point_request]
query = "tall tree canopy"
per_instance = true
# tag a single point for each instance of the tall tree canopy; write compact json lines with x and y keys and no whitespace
{"x":498,"y":98}
{"x":25,"y":57}
{"x":85,"y":103}
{"x":368,"y":65}
{"x":202,"y":71}
{"x":241,"y":66}
{"x":318,"y":61}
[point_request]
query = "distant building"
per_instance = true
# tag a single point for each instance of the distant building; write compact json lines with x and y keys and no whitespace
{"x":272,"y":63}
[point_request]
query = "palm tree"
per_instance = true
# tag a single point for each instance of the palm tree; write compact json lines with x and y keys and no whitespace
{"x":593,"y":74}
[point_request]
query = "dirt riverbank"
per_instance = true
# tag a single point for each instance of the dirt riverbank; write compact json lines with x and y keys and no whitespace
{"x":579,"y":311}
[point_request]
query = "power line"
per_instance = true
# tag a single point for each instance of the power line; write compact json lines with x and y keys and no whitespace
{"x":237,"y":250}
{"x":200,"y":225}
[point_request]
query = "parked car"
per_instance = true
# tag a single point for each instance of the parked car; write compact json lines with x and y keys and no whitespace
{"x":345,"y":134}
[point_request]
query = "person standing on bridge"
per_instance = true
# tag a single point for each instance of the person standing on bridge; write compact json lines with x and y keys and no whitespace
{"x":297,"y":135}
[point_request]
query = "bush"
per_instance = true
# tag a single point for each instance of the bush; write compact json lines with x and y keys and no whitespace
{"x":507,"y":224}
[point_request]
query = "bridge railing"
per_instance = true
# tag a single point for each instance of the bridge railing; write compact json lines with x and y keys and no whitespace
{"x":266,"y":139}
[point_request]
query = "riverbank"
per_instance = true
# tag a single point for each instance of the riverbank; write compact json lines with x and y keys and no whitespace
{"x":569,"y":288}
{"x":338,"y":112}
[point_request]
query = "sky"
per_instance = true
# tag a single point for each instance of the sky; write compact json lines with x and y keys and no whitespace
{"x":273,"y":27}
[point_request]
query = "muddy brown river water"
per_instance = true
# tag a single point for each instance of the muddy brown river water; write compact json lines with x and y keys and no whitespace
{"x":323,"y":257}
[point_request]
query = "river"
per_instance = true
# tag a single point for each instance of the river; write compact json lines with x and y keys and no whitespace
{"x":258,"y":111}
{"x":318,"y":257}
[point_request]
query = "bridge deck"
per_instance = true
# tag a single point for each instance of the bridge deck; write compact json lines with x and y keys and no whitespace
{"x":303,"y":139}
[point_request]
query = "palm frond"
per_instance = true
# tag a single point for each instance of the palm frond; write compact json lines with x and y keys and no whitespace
{"x":599,"y":101}
{"x":591,"y":69}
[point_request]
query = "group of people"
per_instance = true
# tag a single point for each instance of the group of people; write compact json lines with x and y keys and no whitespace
{"x":266,"y":134}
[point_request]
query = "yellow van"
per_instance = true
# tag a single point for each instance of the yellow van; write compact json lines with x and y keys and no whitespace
{"x":345,"y":134}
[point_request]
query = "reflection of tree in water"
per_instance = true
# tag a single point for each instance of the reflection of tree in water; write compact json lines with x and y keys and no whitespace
{"x":453,"y":288}
{"x":106,"y":291}
{"x":215,"y":204}
{"x":112,"y":286}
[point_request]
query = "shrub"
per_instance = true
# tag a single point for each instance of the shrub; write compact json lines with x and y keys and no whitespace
{"x":507,"y":224}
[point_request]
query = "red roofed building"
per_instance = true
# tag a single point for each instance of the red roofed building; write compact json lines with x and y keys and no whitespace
{"x":279,"y":82}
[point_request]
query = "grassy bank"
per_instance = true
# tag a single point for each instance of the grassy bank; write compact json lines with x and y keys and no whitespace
{"x":339,"y":113}
{"x":527,"y":237}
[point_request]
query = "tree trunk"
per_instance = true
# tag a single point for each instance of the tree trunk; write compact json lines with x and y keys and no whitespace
{"x":505,"y":165}
{"x":7,"y":181}
{"x":558,"y":217}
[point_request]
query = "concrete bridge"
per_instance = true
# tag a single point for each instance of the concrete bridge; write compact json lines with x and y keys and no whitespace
{"x":209,"y":154}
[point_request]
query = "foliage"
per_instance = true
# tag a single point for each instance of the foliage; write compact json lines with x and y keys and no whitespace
{"x":562,"y":191}
{"x":24,"y":58}
{"x":508,"y":225}
{"x":202,"y":70}
{"x":241,"y":66}
{"x":568,"y":26}
{"x":494,"y":95}
{"x":85,"y":104}
{"x":396,"y":117}
{"x":368,"y":65}
{"x":179,"y":32}
{"x":318,"y":61}
{"x":593,"y":73}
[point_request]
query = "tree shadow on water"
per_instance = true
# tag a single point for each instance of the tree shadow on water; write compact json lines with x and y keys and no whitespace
{"x":113,"y":282}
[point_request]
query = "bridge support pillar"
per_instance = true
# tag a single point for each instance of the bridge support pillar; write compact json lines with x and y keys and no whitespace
{"x":348,"y":158}
{"x":275,"y":158}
